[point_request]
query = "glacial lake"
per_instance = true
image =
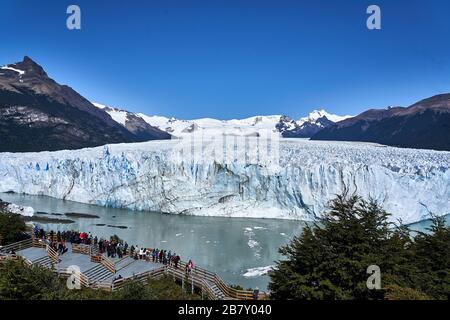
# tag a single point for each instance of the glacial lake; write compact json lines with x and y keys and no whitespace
{"x":227,"y":246}
{"x":231,"y":247}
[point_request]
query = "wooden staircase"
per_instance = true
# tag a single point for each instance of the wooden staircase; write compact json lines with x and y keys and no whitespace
{"x":44,"y":262}
{"x":213,"y":288}
{"x":123,"y":263}
{"x":97,"y":274}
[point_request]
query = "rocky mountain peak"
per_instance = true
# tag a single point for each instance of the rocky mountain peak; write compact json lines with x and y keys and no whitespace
{"x":29,"y":65}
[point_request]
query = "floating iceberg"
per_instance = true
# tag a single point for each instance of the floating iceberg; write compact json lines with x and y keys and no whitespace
{"x":257,"y":272}
{"x":17,"y":209}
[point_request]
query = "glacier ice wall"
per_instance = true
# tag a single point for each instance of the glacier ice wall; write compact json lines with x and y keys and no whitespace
{"x":146,"y":176}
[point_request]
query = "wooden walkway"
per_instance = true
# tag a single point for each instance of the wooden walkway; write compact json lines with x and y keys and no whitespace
{"x":100,"y":272}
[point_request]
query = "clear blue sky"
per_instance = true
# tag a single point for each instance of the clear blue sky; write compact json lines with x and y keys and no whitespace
{"x":233,"y":59}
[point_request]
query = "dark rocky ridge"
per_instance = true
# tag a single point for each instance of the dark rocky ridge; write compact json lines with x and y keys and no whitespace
{"x":141,"y":129}
{"x":424,"y":125}
{"x":38,"y":114}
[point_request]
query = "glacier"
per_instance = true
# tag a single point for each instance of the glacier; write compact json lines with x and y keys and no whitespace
{"x":147,"y":176}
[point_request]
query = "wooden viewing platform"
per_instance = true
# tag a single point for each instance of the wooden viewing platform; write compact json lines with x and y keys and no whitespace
{"x":99,"y":272}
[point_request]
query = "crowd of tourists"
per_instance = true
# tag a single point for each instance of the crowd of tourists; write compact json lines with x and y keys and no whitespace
{"x":113,"y":247}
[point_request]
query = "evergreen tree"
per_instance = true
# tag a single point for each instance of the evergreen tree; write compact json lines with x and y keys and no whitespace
{"x":432,"y":259}
{"x":18,"y":282}
{"x":329,"y":260}
{"x":12,"y":227}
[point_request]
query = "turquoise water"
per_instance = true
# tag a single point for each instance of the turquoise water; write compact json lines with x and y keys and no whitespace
{"x":424,"y":225}
{"x":228,"y":246}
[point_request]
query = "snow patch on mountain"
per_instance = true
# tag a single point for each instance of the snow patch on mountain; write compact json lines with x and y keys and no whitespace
{"x":318,"y":114}
{"x":252,"y":126}
{"x":118,"y":115}
{"x":20,"y":72}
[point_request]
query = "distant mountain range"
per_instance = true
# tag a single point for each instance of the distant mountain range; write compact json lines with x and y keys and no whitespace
{"x":38,"y":114}
{"x":424,"y":125}
{"x":303,"y":128}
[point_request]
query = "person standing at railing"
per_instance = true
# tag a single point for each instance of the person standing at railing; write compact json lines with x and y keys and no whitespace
{"x":256,"y":293}
{"x":60,"y":247}
{"x":125,"y":248}
{"x":36,"y":230}
{"x":41,"y":234}
{"x":169,"y":258}
{"x":176,"y":260}
{"x":189,"y":267}
{"x":160,"y":257}
{"x":100,"y":246}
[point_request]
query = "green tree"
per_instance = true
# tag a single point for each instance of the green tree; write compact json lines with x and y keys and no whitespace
{"x":18,"y":282}
{"x":330,"y":258}
{"x":431,"y":262}
{"x":12,"y":227}
{"x":132,"y":290}
{"x":395,"y":292}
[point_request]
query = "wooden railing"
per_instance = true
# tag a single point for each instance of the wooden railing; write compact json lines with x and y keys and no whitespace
{"x":142,"y":277}
{"x":226,"y":289}
{"x":95,"y":254}
{"x":211,"y":295}
{"x":52,"y":254}
{"x":84,"y":281}
{"x":28,"y":262}
{"x":192,"y":280}
{"x":17,"y":246}
{"x":8,"y":257}
{"x":39,"y":243}
{"x":81,"y":248}
{"x":108,"y":264}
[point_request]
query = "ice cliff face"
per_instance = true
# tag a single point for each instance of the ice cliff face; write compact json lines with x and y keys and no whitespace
{"x":147,"y":176}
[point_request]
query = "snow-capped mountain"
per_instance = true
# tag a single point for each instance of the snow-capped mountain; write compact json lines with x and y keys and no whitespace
{"x":134,"y":123}
{"x":317,"y":120}
{"x":253,"y":126}
{"x":316,"y":115}
{"x":39,"y":114}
